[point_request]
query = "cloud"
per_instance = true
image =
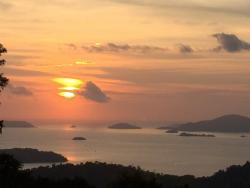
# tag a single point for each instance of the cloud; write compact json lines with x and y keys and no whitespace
{"x":19,"y":90}
{"x":94,"y":93}
{"x":185,"y":48}
{"x":230,"y":43}
{"x":125,"y":48}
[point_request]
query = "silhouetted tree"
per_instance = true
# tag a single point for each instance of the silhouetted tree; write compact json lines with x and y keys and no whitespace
{"x":3,"y":80}
{"x":136,"y":179}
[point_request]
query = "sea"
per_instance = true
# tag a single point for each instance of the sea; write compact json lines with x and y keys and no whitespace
{"x":149,"y":148}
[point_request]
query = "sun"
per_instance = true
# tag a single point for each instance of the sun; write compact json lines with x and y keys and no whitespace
{"x":68,"y":82}
{"x":68,"y":87}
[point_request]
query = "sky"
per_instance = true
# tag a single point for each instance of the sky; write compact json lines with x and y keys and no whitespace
{"x":123,"y":60}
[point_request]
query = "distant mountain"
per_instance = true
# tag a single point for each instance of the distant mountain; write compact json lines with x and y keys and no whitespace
{"x":28,"y":155}
{"x":124,"y":126}
{"x":18,"y":124}
{"x":227,"y":123}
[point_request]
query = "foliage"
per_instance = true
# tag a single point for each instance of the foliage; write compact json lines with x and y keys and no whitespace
{"x":3,"y":80}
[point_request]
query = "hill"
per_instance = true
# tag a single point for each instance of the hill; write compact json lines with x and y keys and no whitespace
{"x":18,"y":124}
{"x":227,"y":123}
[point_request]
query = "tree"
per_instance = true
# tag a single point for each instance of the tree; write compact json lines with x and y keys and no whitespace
{"x":3,"y":80}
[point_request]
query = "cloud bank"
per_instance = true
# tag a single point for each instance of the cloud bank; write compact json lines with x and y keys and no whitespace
{"x":125,"y":48}
{"x":94,"y":93}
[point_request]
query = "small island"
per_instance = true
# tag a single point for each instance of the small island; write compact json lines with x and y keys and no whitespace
{"x":124,"y":126}
{"x":196,"y":135}
{"x":29,"y":155}
{"x":17,"y":124}
{"x":79,"y":138}
{"x":172,"y":131}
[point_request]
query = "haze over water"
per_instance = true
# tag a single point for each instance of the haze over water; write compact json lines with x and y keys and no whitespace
{"x":150,"y":149}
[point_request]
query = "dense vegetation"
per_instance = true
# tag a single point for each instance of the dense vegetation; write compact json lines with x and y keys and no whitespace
{"x":102,"y":175}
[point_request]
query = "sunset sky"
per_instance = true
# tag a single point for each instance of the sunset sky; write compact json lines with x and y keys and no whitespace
{"x":165,"y":60}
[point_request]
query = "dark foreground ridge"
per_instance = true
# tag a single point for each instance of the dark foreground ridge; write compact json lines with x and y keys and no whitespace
{"x":28,"y":155}
{"x":227,"y":123}
{"x":124,"y":126}
{"x":102,"y":175}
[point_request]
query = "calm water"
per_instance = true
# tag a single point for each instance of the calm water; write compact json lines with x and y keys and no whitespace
{"x":151,"y":149}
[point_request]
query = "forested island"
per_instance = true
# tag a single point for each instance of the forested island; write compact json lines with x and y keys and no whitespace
{"x":124,"y":126}
{"x":79,"y":138}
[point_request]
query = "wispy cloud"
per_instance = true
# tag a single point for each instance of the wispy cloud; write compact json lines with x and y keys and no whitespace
{"x":125,"y":48}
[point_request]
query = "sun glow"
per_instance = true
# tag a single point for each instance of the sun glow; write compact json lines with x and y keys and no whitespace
{"x":67,"y":94}
{"x":70,"y":86}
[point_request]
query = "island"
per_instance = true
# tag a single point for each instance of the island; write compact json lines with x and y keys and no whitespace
{"x":172,"y":131}
{"x":29,"y":155}
{"x":124,"y":126}
{"x":79,"y":138}
{"x":227,"y":124}
{"x":73,"y":126}
{"x":17,"y":124}
{"x":196,"y":135}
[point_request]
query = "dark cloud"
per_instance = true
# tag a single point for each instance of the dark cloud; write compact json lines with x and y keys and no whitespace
{"x":125,"y":48}
{"x":94,"y":93}
{"x":230,"y":43}
{"x":19,"y":90}
{"x":185,"y":48}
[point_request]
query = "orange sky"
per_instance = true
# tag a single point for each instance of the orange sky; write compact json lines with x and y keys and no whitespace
{"x":137,"y":60}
